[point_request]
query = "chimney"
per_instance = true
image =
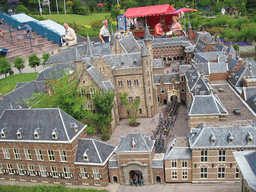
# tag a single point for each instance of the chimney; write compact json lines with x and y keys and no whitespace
{"x":230,"y":42}
{"x":250,"y":67}
{"x":197,"y":69}
{"x":203,"y":30}
{"x":1,"y":96}
{"x":218,"y":59}
{"x":229,"y":55}
{"x":240,"y":61}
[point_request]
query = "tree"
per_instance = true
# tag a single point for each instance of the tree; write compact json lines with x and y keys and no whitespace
{"x":76,"y":7}
{"x":33,"y":61}
{"x":19,"y":63}
{"x":114,"y":12}
{"x":131,"y":107}
{"x":250,"y":5}
{"x":236,"y":47}
{"x":5,"y":67}
{"x":45,"y":57}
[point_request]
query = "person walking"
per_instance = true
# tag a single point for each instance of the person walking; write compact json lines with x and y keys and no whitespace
{"x":70,"y":35}
{"x":104,"y":32}
{"x":28,"y":29}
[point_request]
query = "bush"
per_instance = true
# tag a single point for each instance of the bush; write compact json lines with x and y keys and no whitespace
{"x":76,"y":7}
{"x":96,"y":24}
{"x":114,"y":13}
{"x":23,"y":9}
{"x":236,"y":47}
{"x":84,"y":10}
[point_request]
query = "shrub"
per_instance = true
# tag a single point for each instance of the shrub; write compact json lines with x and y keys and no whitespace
{"x":76,"y":7}
{"x":236,"y":47}
{"x":84,"y":10}
{"x":45,"y":57}
{"x":96,"y":24}
{"x":23,"y":9}
{"x":114,"y":13}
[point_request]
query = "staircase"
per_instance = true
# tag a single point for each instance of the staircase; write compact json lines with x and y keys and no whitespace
{"x":21,"y":44}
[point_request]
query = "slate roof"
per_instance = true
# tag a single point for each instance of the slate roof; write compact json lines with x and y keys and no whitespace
{"x":157,"y":163}
{"x":200,"y":46}
{"x":203,"y":36}
{"x":218,"y":47}
{"x":246,"y":161}
{"x":18,"y":85}
{"x":14,"y":99}
{"x":191,"y":76}
{"x":184,"y":68}
{"x":55,"y":72}
{"x":252,"y":102}
{"x":144,"y":51}
{"x":249,"y":92}
{"x":200,"y":87}
{"x":44,"y":121}
{"x":129,"y":44}
{"x":99,"y":80}
{"x":206,"y":105}
{"x":179,"y":153}
{"x":236,"y":80}
{"x":157,"y":64}
{"x":231,"y":50}
{"x":204,"y":68}
{"x":90,"y":51}
{"x":172,"y":41}
{"x":98,"y":152}
{"x":202,"y":139}
{"x":219,"y":67}
{"x":143,"y":143}
{"x":113,"y":162}
{"x":232,"y":63}
{"x":166,"y":77}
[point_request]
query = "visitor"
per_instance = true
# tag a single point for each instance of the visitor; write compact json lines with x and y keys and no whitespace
{"x":176,"y":27}
{"x":104,"y":32}
{"x":70,"y":35}
{"x":158,"y":28}
{"x":28,"y":29}
{"x":223,"y":11}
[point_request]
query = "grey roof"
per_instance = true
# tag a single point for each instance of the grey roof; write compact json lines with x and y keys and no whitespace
{"x":157,"y":64}
{"x":202,"y":139}
{"x":249,"y":92}
{"x":124,"y":60}
{"x":14,"y":99}
{"x":200,"y":46}
{"x":172,"y":41}
{"x":218,"y":47}
{"x":18,"y":85}
{"x":44,"y":121}
{"x":252,"y":102}
{"x":204,"y":68}
{"x":166,"y":77}
{"x":147,"y":35}
{"x":129,"y":44}
{"x":55,"y":72}
{"x":205,"y":36}
{"x":200,"y":87}
{"x":219,"y":67}
{"x":90,"y":51}
{"x":144,"y":51}
{"x":246,"y":162}
{"x":113,"y":164}
{"x":97,"y":152}
{"x":99,"y":80}
{"x":236,"y":80}
{"x":231,"y":50}
{"x":206,"y":105}
{"x":143,"y":143}
{"x":157,"y":163}
{"x":179,"y":153}
{"x":232,"y":63}
{"x":191,"y":76}
{"x":112,"y":39}
{"x":184,"y":68}
{"x":204,"y":57}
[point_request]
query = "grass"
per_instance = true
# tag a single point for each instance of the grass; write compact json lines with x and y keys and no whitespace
{"x":8,"y":84}
{"x":43,"y":188}
{"x":78,"y":19}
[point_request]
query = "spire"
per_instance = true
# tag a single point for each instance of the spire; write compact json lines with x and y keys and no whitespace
{"x":90,"y":51}
{"x":144,"y":51}
{"x":146,"y":34}
{"x":78,"y":57}
{"x":189,"y":25}
{"x":112,"y":40}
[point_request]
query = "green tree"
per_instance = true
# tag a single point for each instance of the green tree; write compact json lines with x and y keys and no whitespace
{"x":236,"y":47}
{"x":125,"y":4}
{"x":76,"y":7}
{"x":45,"y":57}
{"x":250,"y":5}
{"x":5,"y":67}
{"x":19,"y":63}
{"x":33,"y":61}
{"x":114,"y":12}
{"x":131,"y":107}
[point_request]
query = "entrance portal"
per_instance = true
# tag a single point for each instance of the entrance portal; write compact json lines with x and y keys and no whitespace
{"x":158,"y":179}
{"x":165,"y":101}
{"x":136,"y":177}
{"x":174,"y":97}
{"x":115,"y":179}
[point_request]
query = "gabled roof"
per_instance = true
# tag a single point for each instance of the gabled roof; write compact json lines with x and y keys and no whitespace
{"x":232,"y":63}
{"x":219,"y":67}
{"x":98,"y":152}
{"x":166,"y":77}
{"x":218,"y":47}
{"x":200,"y":88}
{"x":42,"y":120}
{"x":231,"y":49}
{"x":157,"y":63}
{"x":201,"y":139}
{"x":203,"y":36}
{"x":179,"y":153}
{"x":246,"y":161}
{"x":206,"y":105}
{"x":252,"y":102}
{"x":90,"y":51}
{"x":249,"y":92}
{"x":143,"y":143}
{"x":192,"y":76}
{"x":129,"y":44}
{"x":144,"y":51}
{"x":236,"y":80}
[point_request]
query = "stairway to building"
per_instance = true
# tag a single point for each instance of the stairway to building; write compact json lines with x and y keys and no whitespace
{"x":21,"y":45}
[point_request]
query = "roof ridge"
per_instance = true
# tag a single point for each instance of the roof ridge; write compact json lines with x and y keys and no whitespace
{"x":97,"y":150}
{"x":64,"y":126}
{"x":144,"y":141}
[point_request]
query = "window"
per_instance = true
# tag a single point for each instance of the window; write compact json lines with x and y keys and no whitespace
{"x":162,"y":90}
{"x":39,"y":155}
{"x":83,"y":92}
{"x":54,"y":171}
{"x":221,"y":172}
{"x":1,"y":168}
{"x":21,"y":169}
{"x":16,"y":153}
{"x":204,"y":156}
{"x":96,"y":172}
{"x":136,"y":82}
{"x":140,"y":111}
{"x":66,"y":172}
{"x":6,"y":153}
{"x":174,"y":175}
{"x":174,"y":163}
{"x":184,"y":163}
{"x":28,"y":154}
{"x":129,"y":83}
{"x":182,"y":90}
{"x":51,"y":155}
{"x":43,"y":171}
{"x":92,"y":91}
{"x":10,"y":169}
{"x":31,"y":169}
{"x":130,"y":99}
{"x":83,"y":172}
{"x":182,"y":79}
{"x":63,"y":156}
{"x":138,"y":97}
{"x":203,"y":174}
{"x":222,"y":156}
{"x":237,"y":172}
{"x":184,"y":175}
{"x":120,"y":83}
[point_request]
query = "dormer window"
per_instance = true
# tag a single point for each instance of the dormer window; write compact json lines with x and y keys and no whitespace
{"x":213,"y":138}
{"x":249,"y":137}
{"x":85,"y":155}
{"x":2,"y":133}
{"x":19,"y":133}
{"x":54,"y":134}
{"x":74,"y":126}
{"x":133,"y":143}
{"x":36,"y":133}
{"x":230,"y":137}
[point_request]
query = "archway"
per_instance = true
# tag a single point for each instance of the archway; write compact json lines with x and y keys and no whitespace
{"x":165,"y":101}
{"x":136,"y":177}
{"x":115,"y":179}
{"x":174,"y":97}
{"x":158,"y":179}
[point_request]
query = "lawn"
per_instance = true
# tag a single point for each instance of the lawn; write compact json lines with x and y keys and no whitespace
{"x":8,"y":84}
{"x":43,"y":188}
{"x":78,"y":19}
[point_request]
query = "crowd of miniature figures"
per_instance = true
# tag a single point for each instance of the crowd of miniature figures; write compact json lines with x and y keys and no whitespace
{"x":136,"y":180}
{"x":165,"y":126}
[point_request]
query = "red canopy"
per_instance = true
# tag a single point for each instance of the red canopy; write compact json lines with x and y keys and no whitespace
{"x":150,"y":11}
